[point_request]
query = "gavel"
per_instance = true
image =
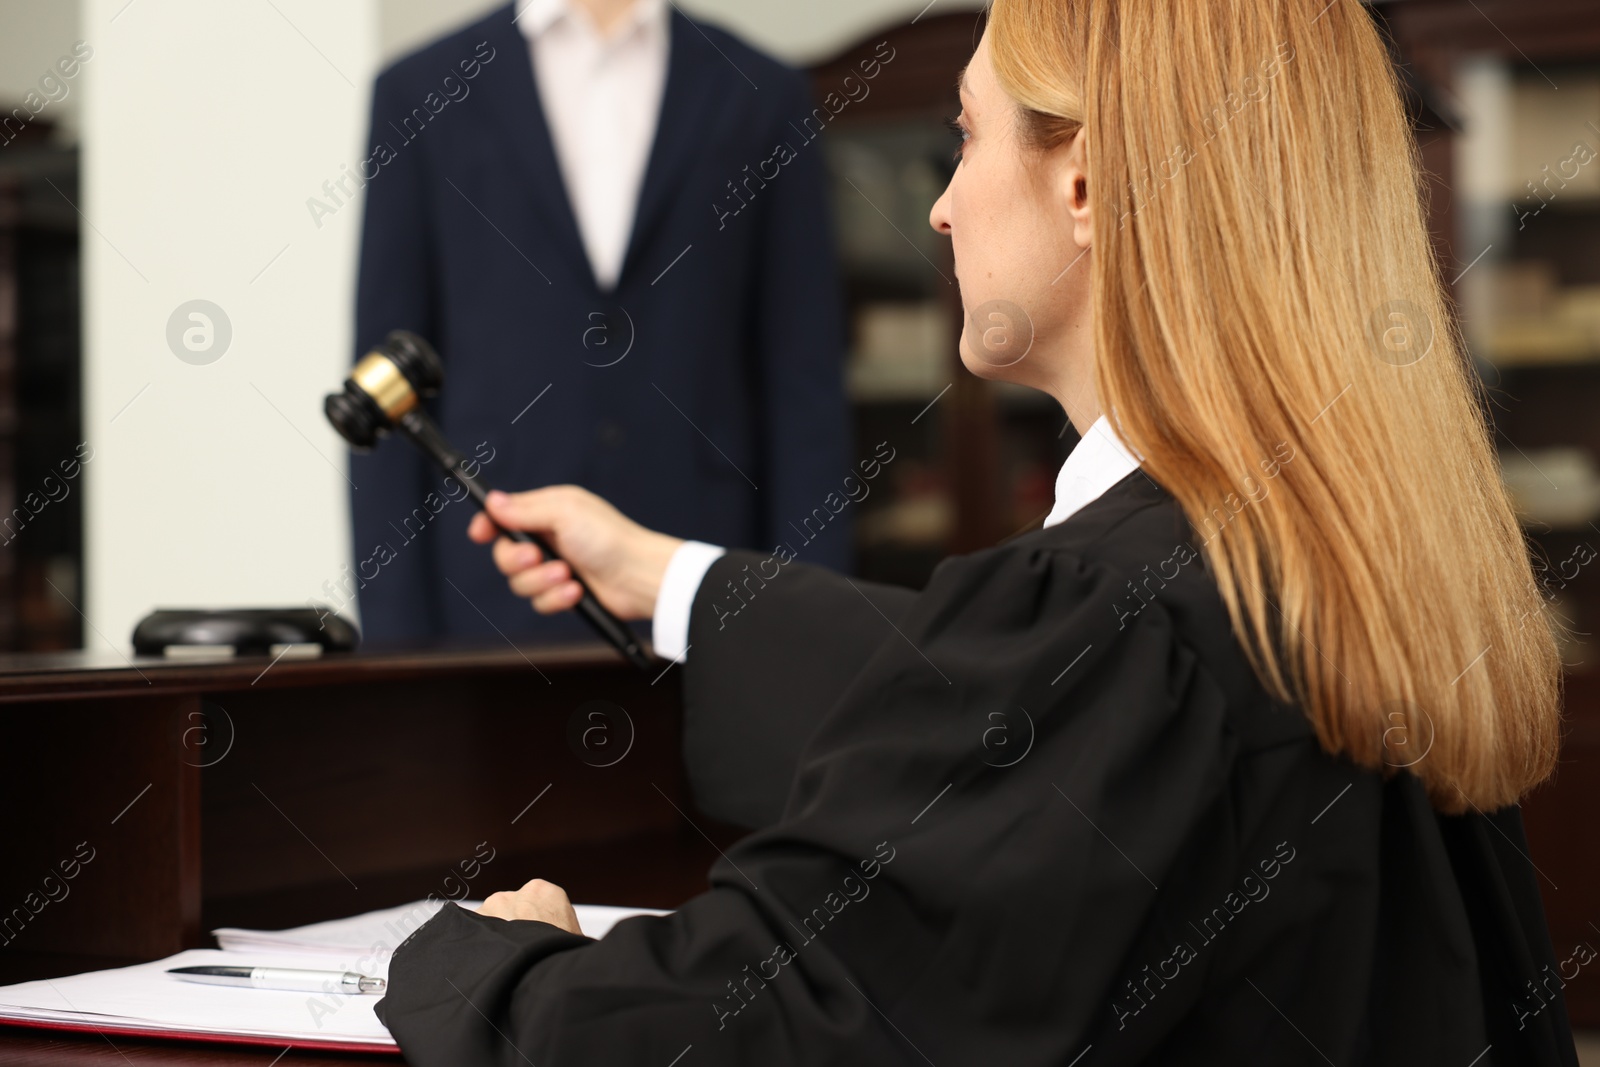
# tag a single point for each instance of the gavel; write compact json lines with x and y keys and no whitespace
{"x":385,"y":392}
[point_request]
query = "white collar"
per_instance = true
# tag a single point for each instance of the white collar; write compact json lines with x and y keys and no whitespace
{"x":537,"y":16}
{"x":1098,"y":462}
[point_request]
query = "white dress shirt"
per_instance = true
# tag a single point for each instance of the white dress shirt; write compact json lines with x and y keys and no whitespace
{"x":1098,"y":462}
{"x":601,"y":98}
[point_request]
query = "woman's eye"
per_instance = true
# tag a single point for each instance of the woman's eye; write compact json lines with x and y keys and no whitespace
{"x":961,"y":134}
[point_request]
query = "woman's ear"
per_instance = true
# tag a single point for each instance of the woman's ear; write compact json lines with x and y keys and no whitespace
{"x":1072,"y":182}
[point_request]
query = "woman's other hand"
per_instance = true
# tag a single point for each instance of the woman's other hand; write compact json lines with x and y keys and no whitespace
{"x":621,"y":561}
{"x":539,"y":901}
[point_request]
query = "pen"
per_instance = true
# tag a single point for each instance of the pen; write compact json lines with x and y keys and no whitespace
{"x":287,"y":978}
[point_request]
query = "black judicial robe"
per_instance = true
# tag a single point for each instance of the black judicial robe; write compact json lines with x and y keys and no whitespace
{"x":1041,"y":812}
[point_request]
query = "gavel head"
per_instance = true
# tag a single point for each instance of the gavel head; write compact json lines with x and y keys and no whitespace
{"x":389,"y":381}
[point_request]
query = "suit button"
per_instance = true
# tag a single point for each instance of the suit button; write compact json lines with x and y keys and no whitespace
{"x":607,"y":336}
{"x":610,"y":434}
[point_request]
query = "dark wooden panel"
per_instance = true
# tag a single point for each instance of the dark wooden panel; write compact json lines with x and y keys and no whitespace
{"x":107,"y":782}
{"x":75,"y":675}
{"x":341,"y":784}
{"x":920,"y":78}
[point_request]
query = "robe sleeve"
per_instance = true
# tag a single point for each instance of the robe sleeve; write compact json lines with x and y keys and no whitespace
{"x":773,"y":648}
{"x":972,"y":843}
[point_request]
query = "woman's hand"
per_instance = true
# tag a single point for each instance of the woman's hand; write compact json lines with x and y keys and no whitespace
{"x":539,"y":901}
{"x":621,"y":561}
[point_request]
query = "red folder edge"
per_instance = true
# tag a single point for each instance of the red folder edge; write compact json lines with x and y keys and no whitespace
{"x":390,"y":1049}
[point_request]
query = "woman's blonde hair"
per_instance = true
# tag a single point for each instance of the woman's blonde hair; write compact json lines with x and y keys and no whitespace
{"x":1274,"y":339}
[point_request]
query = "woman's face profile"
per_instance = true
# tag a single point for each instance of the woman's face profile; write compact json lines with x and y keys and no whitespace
{"x":1018,"y":221}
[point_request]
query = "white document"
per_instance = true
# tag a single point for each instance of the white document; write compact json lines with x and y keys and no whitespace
{"x":145,"y":998}
{"x":380,"y":932}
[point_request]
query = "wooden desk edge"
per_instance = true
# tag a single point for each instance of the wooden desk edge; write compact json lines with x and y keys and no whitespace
{"x":152,"y":676}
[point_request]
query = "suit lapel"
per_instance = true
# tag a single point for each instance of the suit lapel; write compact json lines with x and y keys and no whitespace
{"x":513,"y":95}
{"x":694,"y":78}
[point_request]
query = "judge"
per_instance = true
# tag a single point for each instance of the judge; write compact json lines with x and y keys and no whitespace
{"x":1221,"y":765}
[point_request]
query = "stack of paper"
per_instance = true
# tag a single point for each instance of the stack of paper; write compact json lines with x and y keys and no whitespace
{"x":380,"y":932}
{"x":144,"y":1000}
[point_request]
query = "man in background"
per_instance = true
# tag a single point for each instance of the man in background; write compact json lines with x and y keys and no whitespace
{"x":578,"y":207}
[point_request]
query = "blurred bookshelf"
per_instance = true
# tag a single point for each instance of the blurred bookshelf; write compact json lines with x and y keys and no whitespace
{"x":975,"y":461}
{"x":41,"y":517}
{"x":1521,"y":179}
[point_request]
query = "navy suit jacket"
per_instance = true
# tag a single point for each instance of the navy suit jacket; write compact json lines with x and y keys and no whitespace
{"x":703,"y":395}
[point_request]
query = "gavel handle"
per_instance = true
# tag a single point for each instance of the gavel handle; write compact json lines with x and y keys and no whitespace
{"x":420,"y":429}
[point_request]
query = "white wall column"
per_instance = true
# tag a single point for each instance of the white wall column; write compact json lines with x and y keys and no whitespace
{"x":214,"y":479}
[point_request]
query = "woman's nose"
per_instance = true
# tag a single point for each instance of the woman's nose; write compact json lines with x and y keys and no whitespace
{"x":939,"y":217}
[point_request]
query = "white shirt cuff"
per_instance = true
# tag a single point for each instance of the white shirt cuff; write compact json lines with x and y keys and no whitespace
{"x":685,"y":571}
